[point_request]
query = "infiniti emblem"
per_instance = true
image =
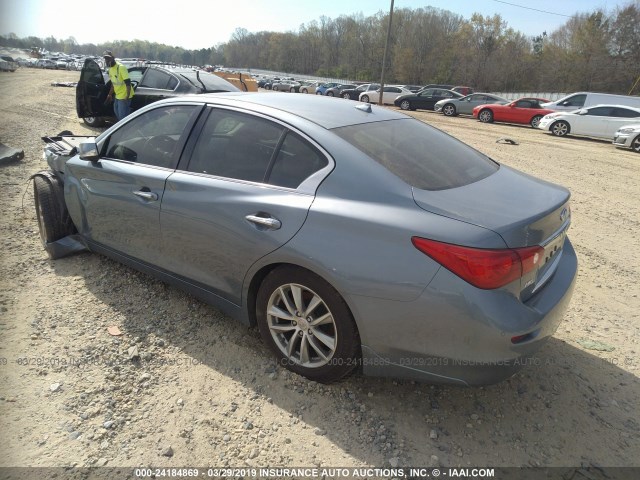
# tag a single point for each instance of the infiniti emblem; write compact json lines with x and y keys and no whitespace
{"x":563,"y":214}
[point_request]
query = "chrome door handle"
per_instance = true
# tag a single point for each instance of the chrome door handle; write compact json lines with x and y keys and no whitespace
{"x":269,"y":222}
{"x":150,"y":196}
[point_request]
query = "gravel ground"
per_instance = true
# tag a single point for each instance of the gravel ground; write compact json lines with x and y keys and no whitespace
{"x":184,"y":385}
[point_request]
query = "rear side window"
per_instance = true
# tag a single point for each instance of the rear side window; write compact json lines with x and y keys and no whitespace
{"x":422,"y":156}
{"x":296,"y":160}
{"x":157,"y":79}
{"x":625,"y":113}
{"x":575,"y":101}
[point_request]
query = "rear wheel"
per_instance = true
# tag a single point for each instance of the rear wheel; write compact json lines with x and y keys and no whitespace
{"x":304,"y":90}
{"x":535,"y":121}
{"x":329,"y":94}
{"x":449,"y":110}
{"x":307,"y":324}
{"x":635,"y":144}
{"x":54,"y":221}
{"x":560,"y":128}
{"x":485,"y":116}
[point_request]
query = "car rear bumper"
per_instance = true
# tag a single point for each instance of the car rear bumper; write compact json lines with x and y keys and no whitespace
{"x":460,"y":334}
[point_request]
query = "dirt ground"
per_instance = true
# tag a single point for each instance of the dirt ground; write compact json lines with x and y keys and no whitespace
{"x":206,"y":392}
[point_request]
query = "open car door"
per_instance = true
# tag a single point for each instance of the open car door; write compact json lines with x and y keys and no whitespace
{"x":91,"y":92}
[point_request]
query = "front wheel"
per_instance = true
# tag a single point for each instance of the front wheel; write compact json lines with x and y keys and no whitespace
{"x":304,"y":90}
{"x":364,"y":98}
{"x":560,"y":128}
{"x":635,"y":144}
{"x":94,"y":121}
{"x":54,"y":221}
{"x":486,"y":116}
{"x":405,"y":105}
{"x":329,"y":94}
{"x":307,"y":324}
{"x":535,"y":121}
{"x":346,"y":96}
{"x":449,"y":110}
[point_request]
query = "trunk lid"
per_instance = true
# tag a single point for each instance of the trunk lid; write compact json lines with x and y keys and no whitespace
{"x":525,"y":211}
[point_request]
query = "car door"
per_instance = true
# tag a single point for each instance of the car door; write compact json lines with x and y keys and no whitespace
{"x":119,"y":195}
{"x":425,"y":99}
{"x":238,"y":198}
{"x":592,"y":122}
{"x":91,"y":92}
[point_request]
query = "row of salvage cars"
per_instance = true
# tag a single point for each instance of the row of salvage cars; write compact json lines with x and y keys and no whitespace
{"x":619,"y":123}
{"x":349,"y":234}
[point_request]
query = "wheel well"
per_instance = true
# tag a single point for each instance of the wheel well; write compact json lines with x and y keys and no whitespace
{"x":259,"y":277}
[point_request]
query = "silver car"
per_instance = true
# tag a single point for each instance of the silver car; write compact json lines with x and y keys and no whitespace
{"x":465,"y":105}
{"x":628,"y":136}
{"x":353,"y":236}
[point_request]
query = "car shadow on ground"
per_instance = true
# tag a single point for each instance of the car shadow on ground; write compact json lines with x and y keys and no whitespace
{"x":567,"y":407}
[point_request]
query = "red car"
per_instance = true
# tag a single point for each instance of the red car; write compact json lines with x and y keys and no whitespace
{"x":524,"y":110}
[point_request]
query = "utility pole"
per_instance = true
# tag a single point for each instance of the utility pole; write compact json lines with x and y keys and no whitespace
{"x":384,"y":57}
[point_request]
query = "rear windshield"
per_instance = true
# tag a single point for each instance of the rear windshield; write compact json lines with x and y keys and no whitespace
{"x":422,"y":156}
{"x":212,"y":83}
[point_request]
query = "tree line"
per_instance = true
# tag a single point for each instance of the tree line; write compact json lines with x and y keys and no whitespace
{"x":595,"y":51}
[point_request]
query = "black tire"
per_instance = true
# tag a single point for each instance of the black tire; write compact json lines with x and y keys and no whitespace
{"x":449,"y":110}
{"x":304,"y":90}
{"x":53,"y":217}
{"x":405,"y":105}
{"x":346,"y":96}
{"x":94,"y":121}
{"x":364,"y":98}
{"x":535,"y":121}
{"x":560,"y":128}
{"x":329,"y":359}
{"x":329,"y":94}
{"x":485,"y":116}
{"x":635,"y":144}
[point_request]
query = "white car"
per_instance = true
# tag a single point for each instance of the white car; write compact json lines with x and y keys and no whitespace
{"x":391,"y":92}
{"x":628,"y":136}
{"x":599,"y":121}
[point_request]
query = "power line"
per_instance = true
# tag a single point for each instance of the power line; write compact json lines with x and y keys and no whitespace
{"x":535,"y":9}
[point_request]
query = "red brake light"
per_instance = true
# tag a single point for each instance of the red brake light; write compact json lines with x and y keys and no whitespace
{"x":482,"y":268}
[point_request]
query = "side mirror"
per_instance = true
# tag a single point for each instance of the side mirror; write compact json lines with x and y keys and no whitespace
{"x":512,"y":105}
{"x":88,"y":150}
{"x":584,"y":111}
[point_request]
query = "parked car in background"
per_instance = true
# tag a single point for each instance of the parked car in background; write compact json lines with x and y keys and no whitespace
{"x":413,"y":88}
{"x":311,"y":87}
{"x":354,"y":93}
{"x":151,"y":84}
{"x":525,"y":110}
{"x":247,"y":201}
{"x":8,"y":64}
{"x":599,"y":121}
{"x":465,"y":105}
{"x":628,"y":136}
{"x":46,"y":63}
{"x":337,"y":90}
{"x":324,"y":87}
{"x":463,"y":90}
{"x":389,"y":95}
{"x":425,"y":99}
{"x":579,"y":100}
{"x":285,"y":86}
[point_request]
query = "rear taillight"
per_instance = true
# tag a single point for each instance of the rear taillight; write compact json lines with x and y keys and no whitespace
{"x":482,"y":268}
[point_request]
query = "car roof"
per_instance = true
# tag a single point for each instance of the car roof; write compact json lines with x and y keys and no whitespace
{"x":612,"y":105}
{"x":324,"y":111}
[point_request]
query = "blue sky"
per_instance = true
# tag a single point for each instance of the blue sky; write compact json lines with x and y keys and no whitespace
{"x":201,"y":24}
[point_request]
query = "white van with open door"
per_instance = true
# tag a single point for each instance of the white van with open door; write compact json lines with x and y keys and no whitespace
{"x":579,"y":100}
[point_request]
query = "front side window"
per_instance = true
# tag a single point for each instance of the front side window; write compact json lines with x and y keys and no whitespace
{"x":151,"y":138}
{"x":575,"y":101}
{"x":422,"y":156}
{"x":524,"y":104}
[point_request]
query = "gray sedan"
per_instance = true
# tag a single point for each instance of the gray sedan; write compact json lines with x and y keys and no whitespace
{"x":349,"y":234}
{"x":465,"y":105}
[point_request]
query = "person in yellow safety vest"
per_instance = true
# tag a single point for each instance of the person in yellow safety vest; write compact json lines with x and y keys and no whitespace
{"x":120,"y":85}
